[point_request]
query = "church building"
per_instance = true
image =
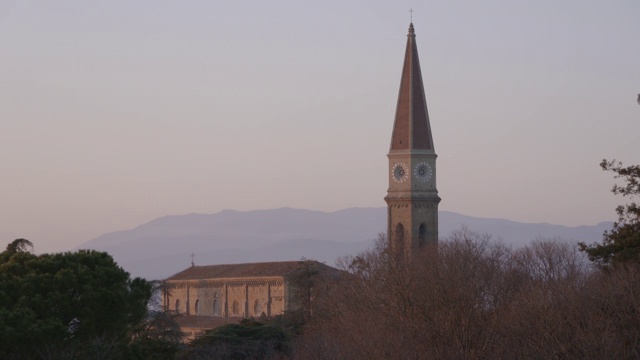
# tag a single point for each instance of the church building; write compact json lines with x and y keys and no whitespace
{"x":214,"y":295}
{"x":210,"y":296}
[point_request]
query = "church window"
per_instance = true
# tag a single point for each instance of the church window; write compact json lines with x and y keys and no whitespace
{"x":235,"y":308}
{"x":197,"y":307}
{"x":257,"y":308}
{"x":399,"y":240}
{"x":178,"y":306}
{"x":216,"y":307}
{"x":422,"y":235}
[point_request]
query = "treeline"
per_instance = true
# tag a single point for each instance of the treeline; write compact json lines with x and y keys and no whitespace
{"x":476,"y":299}
{"x":467,"y":298}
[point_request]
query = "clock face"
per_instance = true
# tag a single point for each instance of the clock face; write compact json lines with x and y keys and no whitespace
{"x":423,"y":172}
{"x":399,"y":172}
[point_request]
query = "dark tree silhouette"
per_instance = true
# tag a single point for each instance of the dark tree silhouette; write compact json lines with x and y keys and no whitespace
{"x":622,"y":243}
{"x":67,"y":305}
{"x":19,"y":245}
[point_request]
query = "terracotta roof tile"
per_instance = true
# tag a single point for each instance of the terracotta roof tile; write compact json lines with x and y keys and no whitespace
{"x":266,"y":269}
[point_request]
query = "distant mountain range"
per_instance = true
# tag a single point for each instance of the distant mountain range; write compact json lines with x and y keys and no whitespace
{"x":162,"y":247}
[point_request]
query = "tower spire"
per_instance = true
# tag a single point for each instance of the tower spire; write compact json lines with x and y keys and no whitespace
{"x":411,"y":129}
{"x":412,"y":198}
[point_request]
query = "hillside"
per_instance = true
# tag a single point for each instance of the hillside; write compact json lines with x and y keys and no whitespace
{"x":163,"y":246}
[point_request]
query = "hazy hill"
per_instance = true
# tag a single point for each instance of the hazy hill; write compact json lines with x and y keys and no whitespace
{"x":163,"y":246}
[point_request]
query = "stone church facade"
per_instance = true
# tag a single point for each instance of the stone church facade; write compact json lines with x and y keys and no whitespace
{"x":210,"y":296}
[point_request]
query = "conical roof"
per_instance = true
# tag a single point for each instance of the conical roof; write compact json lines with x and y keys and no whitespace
{"x":411,"y":129}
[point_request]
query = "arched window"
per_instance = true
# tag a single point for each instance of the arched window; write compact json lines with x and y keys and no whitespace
{"x":257,"y":308}
{"x":196,"y":309}
{"x":178,"y":306}
{"x":216,"y":307}
{"x":235,"y":308}
{"x":399,"y":240}
{"x":422,"y":235}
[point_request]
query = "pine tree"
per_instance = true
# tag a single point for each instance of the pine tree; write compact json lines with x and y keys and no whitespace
{"x":622,"y":243}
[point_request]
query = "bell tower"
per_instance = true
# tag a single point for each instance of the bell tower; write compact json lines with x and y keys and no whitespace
{"x":412,"y":198}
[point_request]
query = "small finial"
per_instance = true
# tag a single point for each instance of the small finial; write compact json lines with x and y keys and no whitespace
{"x":411,"y":31}
{"x":193,"y":256}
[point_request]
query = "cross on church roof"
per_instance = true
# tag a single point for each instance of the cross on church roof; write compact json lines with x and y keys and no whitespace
{"x":193,"y":256}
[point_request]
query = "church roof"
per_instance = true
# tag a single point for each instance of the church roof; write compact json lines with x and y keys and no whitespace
{"x":411,"y":129}
{"x":265,"y":269}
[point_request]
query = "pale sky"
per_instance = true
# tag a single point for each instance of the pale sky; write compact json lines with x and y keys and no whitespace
{"x":113,"y":113}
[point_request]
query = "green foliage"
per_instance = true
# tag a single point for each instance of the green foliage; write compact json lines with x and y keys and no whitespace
{"x":621,"y":244}
{"x":304,"y":281}
{"x":66,"y":305}
{"x":150,"y":348}
{"x":158,"y":337}
{"x":19,"y":245}
{"x":247,"y":329}
{"x":250,"y":339}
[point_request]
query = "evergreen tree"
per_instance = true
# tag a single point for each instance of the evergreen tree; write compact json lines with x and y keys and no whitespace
{"x":622,"y":243}
{"x":67,"y":305}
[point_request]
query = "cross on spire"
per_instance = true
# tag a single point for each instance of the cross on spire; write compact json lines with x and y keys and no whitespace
{"x":411,"y":14}
{"x":193,"y":256}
